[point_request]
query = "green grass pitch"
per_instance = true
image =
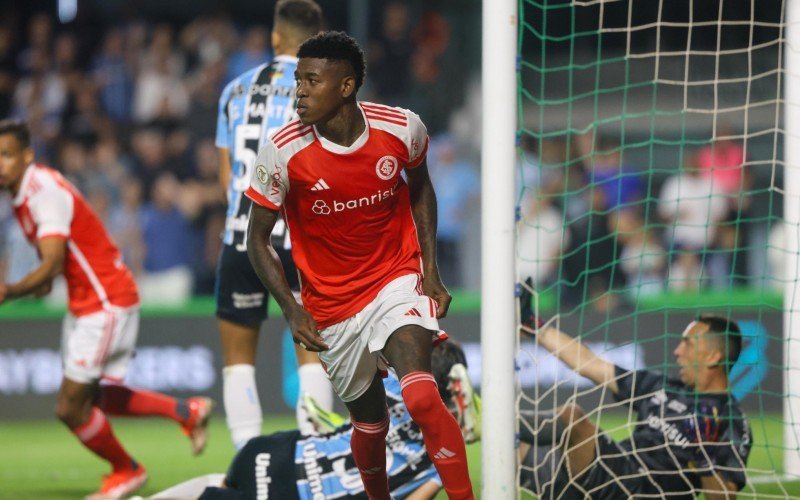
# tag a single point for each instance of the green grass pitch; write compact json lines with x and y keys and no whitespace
{"x":41,"y":460}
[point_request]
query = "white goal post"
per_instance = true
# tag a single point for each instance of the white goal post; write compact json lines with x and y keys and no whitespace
{"x":498,"y":318}
{"x":791,"y":215}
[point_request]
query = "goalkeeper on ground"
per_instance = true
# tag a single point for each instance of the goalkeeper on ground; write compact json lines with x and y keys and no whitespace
{"x":690,"y":436}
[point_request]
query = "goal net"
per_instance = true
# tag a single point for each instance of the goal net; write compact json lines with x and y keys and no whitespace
{"x":651,"y":184}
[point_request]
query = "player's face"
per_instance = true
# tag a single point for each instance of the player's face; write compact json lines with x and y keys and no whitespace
{"x":322,"y":88}
{"x":693,"y":355}
{"x":13,"y":161}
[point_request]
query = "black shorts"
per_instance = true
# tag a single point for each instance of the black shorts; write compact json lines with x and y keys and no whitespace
{"x":266,"y":462}
{"x":615,"y":474}
{"x":240,"y":295}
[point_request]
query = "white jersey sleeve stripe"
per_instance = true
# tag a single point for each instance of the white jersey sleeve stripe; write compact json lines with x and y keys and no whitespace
{"x":87,"y":269}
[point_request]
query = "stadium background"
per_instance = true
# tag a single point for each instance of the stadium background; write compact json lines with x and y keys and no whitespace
{"x":84,"y":86}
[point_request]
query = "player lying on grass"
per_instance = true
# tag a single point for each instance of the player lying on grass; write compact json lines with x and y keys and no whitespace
{"x":690,"y":435}
{"x":288,"y":465}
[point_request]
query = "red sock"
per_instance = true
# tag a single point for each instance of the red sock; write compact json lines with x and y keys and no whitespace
{"x":440,"y":432}
{"x":121,"y":400}
{"x":368,"y":444}
{"x":96,"y":434}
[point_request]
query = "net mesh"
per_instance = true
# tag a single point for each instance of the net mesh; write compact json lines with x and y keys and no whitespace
{"x":650,"y":190}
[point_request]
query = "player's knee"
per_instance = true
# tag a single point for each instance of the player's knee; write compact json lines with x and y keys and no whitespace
{"x":571,"y":414}
{"x":423,"y":402}
{"x":69,"y":414}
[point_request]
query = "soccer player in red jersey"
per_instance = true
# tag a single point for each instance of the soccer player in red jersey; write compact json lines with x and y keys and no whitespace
{"x":100,"y":330}
{"x":364,"y":241}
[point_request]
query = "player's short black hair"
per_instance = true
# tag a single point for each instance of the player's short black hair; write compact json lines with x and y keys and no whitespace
{"x":443,"y":357}
{"x":336,"y":46}
{"x":302,"y":16}
{"x":18,"y":129}
{"x":726,"y":334}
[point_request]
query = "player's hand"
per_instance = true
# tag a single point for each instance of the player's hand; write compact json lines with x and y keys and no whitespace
{"x":304,"y":330}
{"x":433,"y":287}
{"x":528,"y":319}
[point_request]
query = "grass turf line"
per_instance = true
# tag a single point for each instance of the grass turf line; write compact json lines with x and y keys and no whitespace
{"x":41,"y":460}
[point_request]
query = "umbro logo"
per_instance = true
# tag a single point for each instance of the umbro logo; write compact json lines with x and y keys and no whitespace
{"x":444,"y":453}
{"x":321,"y":185}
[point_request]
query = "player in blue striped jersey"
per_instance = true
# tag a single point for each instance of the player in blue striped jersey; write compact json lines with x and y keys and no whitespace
{"x":251,"y":107}
{"x":290,"y":466}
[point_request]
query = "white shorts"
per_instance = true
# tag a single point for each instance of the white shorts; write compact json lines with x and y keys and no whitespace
{"x":99,"y":345}
{"x":356,"y":343}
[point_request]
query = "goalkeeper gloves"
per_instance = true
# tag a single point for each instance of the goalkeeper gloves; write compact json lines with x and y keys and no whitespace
{"x":530,"y":322}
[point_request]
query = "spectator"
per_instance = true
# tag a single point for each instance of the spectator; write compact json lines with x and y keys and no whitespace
{"x":113,"y":76}
{"x":589,"y":266}
{"x":40,"y":97}
{"x":457,"y":190}
{"x":8,"y":70}
{"x":125,"y":225}
{"x":541,"y":240}
{"x":390,"y":55}
{"x":149,"y":156}
{"x":620,"y":184}
{"x":168,"y":245}
{"x":692,"y":208}
{"x":254,"y":51}
{"x":723,"y":161}
{"x":642,"y":259}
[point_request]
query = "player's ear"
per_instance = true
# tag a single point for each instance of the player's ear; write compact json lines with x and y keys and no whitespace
{"x":348,"y":86}
{"x":714,"y":358}
{"x":28,"y":155}
{"x":275,"y":38}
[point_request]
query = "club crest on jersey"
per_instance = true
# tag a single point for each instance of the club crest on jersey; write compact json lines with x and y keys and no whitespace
{"x":386,"y":167}
{"x":263,"y":175}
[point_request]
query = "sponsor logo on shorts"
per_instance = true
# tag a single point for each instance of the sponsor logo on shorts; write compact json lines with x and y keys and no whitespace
{"x":386,"y":167}
{"x":247,"y":300}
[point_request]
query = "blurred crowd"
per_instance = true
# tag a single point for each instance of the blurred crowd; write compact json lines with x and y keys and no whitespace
{"x":600,"y":229}
{"x":129,"y":113}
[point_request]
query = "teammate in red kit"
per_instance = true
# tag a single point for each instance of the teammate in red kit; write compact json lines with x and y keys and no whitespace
{"x":99,"y":332}
{"x":364,"y":241}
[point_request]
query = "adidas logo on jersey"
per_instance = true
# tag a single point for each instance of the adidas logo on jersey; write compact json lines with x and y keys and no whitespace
{"x":321,"y":185}
{"x":444,"y":453}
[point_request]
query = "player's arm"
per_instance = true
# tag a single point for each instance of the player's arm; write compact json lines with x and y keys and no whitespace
{"x":717,"y":488}
{"x":425,"y":492}
{"x":577,"y":356}
{"x":267,"y":266}
{"x":423,"y":209}
{"x":224,"y":168}
{"x":52,"y":251}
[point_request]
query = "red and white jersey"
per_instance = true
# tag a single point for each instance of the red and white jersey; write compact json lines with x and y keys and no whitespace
{"x":49,"y":206}
{"x":348,"y":208}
